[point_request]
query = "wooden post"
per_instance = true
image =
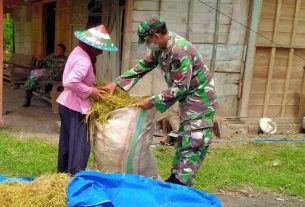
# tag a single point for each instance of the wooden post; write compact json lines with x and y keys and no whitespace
{"x":290,"y":60}
{"x":1,"y":63}
{"x":251,"y":49}
{"x":127,"y":35}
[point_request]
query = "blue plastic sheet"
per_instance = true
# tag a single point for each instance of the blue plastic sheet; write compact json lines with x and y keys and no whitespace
{"x":95,"y":189}
{"x":15,"y":179}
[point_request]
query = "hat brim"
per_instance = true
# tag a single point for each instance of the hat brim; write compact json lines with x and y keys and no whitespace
{"x":96,"y":42}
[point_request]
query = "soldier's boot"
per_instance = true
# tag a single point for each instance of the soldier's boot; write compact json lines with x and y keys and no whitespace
{"x":174,"y":180}
{"x":28,"y":97}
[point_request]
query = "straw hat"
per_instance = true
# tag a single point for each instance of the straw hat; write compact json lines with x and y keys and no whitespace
{"x":97,"y":37}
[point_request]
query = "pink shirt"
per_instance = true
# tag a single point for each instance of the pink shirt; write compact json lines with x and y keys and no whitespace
{"x":78,"y":79}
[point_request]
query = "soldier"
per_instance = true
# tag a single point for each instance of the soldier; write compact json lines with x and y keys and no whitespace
{"x":190,"y":83}
{"x":53,"y":66}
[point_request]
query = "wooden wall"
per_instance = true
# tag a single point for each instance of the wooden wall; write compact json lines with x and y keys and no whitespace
{"x":62,"y":27}
{"x":29,"y":27}
{"x":23,"y":30}
{"x":278,"y":75}
{"x":196,"y":22}
{"x":78,"y":18}
{"x":38,"y":40}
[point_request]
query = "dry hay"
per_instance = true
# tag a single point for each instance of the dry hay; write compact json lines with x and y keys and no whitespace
{"x":100,"y":110}
{"x":45,"y":191}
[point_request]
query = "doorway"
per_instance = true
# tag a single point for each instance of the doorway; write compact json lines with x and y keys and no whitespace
{"x":50,"y":16}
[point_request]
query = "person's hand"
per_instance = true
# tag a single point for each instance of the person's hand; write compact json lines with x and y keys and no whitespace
{"x":146,"y":104}
{"x":109,"y":88}
{"x":96,"y":93}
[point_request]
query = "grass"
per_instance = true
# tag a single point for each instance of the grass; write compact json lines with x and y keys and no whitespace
{"x":248,"y":164}
{"x":226,"y":165}
{"x":26,"y":157}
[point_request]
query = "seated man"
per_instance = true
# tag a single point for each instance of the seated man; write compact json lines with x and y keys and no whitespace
{"x":52,"y":68}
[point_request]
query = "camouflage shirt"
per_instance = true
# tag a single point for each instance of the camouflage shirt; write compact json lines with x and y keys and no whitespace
{"x":188,"y":78}
{"x":55,"y":66}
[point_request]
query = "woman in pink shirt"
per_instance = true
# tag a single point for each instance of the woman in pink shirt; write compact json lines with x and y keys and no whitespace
{"x":79,"y":86}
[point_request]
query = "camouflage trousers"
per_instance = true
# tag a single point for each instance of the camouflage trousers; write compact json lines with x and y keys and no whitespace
{"x":191,"y":147}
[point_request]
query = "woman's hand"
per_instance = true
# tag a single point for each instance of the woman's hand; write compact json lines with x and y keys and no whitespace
{"x":146,"y":104}
{"x":109,"y":88}
{"x":96,"y":93}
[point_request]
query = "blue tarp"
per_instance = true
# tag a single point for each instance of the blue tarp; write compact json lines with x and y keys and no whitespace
{"x":18,"y":179}
{"x":95,"y":189}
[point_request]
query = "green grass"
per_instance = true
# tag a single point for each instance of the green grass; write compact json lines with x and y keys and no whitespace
{"x":226,"y":165}
{"x":26,"y":157}
{"x":248,"y":164}
{"x":8,"y":37}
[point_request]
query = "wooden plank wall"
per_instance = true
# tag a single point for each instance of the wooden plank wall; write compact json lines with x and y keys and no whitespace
{"x":62,"y":27}
{"x":23,"y":30}
{"x":108,"y":63}
{"x":278,"y":74}
{"x":29,"y":27}
{"x":196,"y":22}
{"x":79,"y":19}
{"x":37,"y":30}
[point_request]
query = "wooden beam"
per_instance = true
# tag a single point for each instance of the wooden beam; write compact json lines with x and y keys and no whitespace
{"x":251,"y":49}
{"x":188,"y":19}
{"x":127,"y":34}
{"x":268,"y":85}
{"x":287,"y":80}
{"x":272,"y":57}
{"x":216,"y":34}
{"x":17,"y":2}
{"x":1,"y":64}
{"x":295,"y":21}
{"x":290,"y":60}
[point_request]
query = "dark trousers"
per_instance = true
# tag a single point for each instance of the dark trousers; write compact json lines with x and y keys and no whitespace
{"x":74,"y":146}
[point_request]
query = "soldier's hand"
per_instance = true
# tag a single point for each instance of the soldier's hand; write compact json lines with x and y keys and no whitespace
{"x":109,"y":88}
{"x":146,"y":104}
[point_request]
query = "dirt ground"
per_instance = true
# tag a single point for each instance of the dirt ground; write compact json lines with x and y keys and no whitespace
{"x":38,"y":121}
{"x":248,"y":197}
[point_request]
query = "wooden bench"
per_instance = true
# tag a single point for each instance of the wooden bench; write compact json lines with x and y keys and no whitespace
{"x":52,"y":95}
{"x":17,"y":69}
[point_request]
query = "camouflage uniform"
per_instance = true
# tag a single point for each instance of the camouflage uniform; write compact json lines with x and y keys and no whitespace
{"x":190,"y":83}
{"x":54,"y":66}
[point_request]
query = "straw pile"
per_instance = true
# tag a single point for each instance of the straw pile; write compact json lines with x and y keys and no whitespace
{"x":45,"y":191}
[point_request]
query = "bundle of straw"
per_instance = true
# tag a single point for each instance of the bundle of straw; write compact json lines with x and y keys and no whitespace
{"x":45,"y":191}
{"x":100,"y":110}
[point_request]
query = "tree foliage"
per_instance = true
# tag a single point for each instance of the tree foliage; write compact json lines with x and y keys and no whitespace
{"x":8,"y":38}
